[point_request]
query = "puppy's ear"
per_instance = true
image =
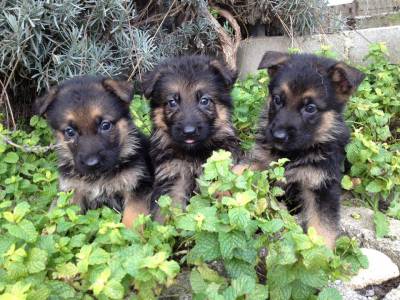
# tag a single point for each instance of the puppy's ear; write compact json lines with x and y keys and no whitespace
{"x":149,"y":81}
{"x":41,"y":104}
{"x":122,"y":89}
{"x":226,"y":73}
{"x":272,"y":61}
{"x":345,"y":79}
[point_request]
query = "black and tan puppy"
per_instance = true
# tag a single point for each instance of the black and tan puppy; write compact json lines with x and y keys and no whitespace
{"x":101,"y":154}
{"x":303,"y":121}
{"x":191,"y":113}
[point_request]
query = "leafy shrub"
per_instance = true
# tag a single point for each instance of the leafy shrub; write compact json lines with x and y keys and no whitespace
{"x":240,"y":245}
{"x":64,"y":255}
{"x":246,"y":230}
{"x":374,"y":151}
{"x":249,"y":97}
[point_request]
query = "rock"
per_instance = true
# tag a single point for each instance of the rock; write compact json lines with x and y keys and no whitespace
{"x":346,"y":292}
{"x":363,"y":229}
{"x":393,"y":294}
{"x":381,"y":268}
{"x":370,"y":293}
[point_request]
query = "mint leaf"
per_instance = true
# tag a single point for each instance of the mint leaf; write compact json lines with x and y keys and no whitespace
{"x":381,"y":224}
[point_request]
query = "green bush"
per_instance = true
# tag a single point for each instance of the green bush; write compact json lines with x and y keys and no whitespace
{"x":242,"y":246}
{"x":374,"y":151}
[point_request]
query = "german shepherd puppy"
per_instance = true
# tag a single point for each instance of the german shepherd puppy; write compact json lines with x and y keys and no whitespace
{"x":101,"y":154}
{"x":303,"y":121}
{"x":191,"y":114}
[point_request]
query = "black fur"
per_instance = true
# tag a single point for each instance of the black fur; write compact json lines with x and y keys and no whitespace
{"x":102,"y":155}
{"x":191,"y":112}
{"x":303,"y":122}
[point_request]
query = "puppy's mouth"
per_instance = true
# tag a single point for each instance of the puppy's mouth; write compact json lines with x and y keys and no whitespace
{"x":190,"y":141}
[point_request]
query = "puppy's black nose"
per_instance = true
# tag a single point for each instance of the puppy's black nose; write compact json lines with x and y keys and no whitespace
{"x":280,"y":135}
{"x":91,"y":161}
{"x":189,"y":129}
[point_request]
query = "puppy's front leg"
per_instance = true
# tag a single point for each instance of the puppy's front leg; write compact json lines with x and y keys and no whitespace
{"x":134,"y":206}
{"x":321,"y":210}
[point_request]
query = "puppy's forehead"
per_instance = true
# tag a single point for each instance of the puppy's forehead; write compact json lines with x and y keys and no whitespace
{"x":84,"y":108}
{"x":85,"y":117}
{"x":88,"y":112}
{"x":300,"y":89}
{"x":186,"y":87}
{"x":78,"y":90}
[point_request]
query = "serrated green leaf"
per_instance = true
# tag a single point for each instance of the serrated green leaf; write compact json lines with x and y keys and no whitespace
{"x":374,"y":187}
{"x":186,"y":222}
{"x":170,"y":268}
{"x":301,"y":291}
{"x":272,"y":226}
{"x":243,"y":285}
{"x":37,"y":260}
{"x":315,"y":278}
{"x":206,"y":248}
{"x":228,"y":241}
{"x":280,"y":293}
{"x":381,"y":224}
{"x":20,"y":210}
{"x":197,"y":282}
{"x":154,"y":261}
{"x":260,"y":292}
{"x":11,"y":158}
{"x":239,"y":217}
{"x":329,"y":294}
{"x":114,"y":290}
{"x":210,"y":275}
{"x":99,"y":256}
{"x":25,"y":230}
{"x":66,"y":271}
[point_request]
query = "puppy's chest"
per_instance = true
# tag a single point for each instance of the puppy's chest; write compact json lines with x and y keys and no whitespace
{"x":309,"y":172}
{"x":122,"y":182}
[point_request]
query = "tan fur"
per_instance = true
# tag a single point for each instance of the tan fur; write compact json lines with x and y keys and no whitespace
{"x":159,"y":119}
{"x":286,"y":89}
{"x":122,"y":89}
{"x":184,"y":172}
{"x":260,"y":157}
{"x":64,"y":153}
{"x":327,"y":128}
{"x":312,"y":219}
{"x":222,"y":122}
{"x":310,"y":93}
{"x":133,"y":208}
{"x":83,"y":118}
{"x":223,"y":114}
{"x":95,"y":112}
{"x":123,"y":181}
{"x":129,"y":143}
{"x":307,"y":176}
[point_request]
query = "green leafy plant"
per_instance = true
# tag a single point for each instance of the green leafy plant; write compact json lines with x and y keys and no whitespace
{"x":374,"y":153}
{"x":234,"y":241}
{"x":249,"y":97}
{"x":253,"y":239}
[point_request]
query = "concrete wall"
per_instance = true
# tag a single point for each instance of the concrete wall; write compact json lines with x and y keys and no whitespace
{"x":351,"y":45}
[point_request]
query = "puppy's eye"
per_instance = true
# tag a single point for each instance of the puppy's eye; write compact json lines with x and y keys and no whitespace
{"x":277,"y":100}
{"x":204,"y":101}
{"x":69,"y":132}
{"x":310,"y":109}
{"x":105,"y":125}
{"x":172,"y":103}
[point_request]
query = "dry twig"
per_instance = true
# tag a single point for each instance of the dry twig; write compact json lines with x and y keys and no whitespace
{"x":229,"y":45}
